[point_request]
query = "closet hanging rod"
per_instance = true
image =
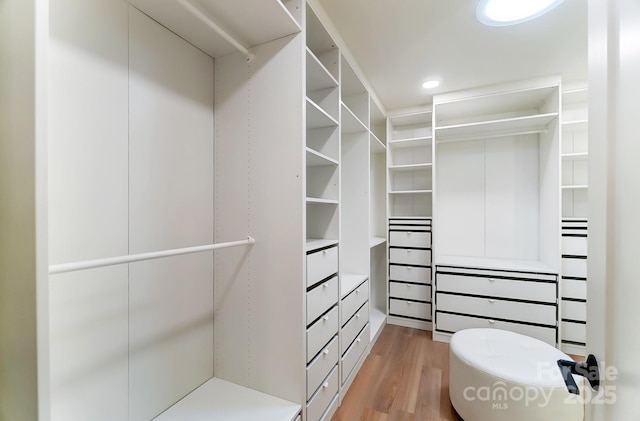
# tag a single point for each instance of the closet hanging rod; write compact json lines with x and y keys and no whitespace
{"x":118,"y":260}
{"x":213,"y":25}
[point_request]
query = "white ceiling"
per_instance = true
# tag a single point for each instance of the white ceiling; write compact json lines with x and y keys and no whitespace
{"x":398,"y":44}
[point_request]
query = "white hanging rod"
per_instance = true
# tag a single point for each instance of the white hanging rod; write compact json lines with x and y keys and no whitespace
{"x":213,"y":25}
{"x":118,"y":260}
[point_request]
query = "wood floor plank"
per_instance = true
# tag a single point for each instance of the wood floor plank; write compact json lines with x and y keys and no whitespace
{"x":404,"y":378}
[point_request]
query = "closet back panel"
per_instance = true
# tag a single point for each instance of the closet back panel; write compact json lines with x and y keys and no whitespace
{"x":259,"y":291}
{"x":88,"y":208}
{"x":171,"y":206}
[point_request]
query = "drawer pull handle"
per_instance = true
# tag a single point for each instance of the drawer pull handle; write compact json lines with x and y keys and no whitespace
{"x":491,"y":300}
{"x":491,"y":280}
{"x":408,"y":285}
{"x":408,"y":303}
{"x":325,"y":385}
{"x":325,"y":318}
{"x":358,"y":316}
{"x":358,"y":340}
{"x":325,"y":285}
{"x":326,"y":351}
{"x":491,"y":321}
{"x":358,"y":291}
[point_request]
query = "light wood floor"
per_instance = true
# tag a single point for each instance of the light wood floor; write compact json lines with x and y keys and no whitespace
{"x":404,"y":378}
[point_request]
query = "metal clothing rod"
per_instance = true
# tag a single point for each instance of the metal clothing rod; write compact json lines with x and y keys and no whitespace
{"x":118,"y":260}
{"x":211,"y":24}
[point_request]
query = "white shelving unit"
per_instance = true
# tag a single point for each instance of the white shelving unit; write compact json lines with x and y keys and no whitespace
{"x":575,"y":185}
{"x":497,"y":208}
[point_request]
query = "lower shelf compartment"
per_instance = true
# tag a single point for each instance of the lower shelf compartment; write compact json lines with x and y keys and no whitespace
{"x":221,"y":400}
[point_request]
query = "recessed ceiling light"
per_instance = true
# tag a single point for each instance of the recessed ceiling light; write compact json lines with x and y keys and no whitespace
{"x":510,"y":12}
{"x":430,"y":84}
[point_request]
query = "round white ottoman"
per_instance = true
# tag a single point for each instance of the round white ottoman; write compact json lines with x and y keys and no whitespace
{"x":497,"y":375}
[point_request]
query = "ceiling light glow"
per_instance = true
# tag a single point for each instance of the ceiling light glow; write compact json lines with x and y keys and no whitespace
{"x":430,"y":84}
{"x":510,"y":12}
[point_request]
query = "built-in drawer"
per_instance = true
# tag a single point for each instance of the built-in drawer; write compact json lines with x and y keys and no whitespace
{"x":498,"y":309}
{"x":319,"y":368}
{"x":575,"y":268}
{"x":575,"y":246}
{"x":354,"y":301}
{"x":574,"y":310}
{"x":321,"y":332}
{"x":410,"y":309}
{"x":323,"y":396}
{"x":572,"y":288}
{"x":453,"y":323}
{"x":353,"y":354}
{"x":410,"y":274}
{"x":354,"y":325}
{"x":410,"y":239}
{"x":321,"y":264}
{"x":574,"y":332}
{"x":410,"y":291}
{"x":321,"y":298}
{"x":410,"y":257}
{"x":496,"y":287}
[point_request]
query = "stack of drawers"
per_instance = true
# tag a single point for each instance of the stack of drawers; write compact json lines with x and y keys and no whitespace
{"x":410,"y":270}
{"x":322,"y":331}
{"x":354,"y":335}
{"x":574,"y":285}
{"x":521,"y":302}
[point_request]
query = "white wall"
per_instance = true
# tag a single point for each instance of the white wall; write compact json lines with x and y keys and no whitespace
{"x":614,"y":203}
{"x":23,"y":291}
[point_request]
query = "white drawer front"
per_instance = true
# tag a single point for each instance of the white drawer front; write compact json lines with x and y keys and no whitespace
{"x":574,"y":332}
{"x":410,"y":274}
{"x":321,"y":298}
{"x":572,"y":288}
{"x":491,"y":287}
{"x":454,"y":323}
{"x":354,"y":301}
{"x":410,"y":291}
{"x":319,"y":368}
{"x":410,"y":257}
{"x":410,"y":309}
{"x":574,"y":267}
{"x":321,"y":264}
{"x":410,"y":239}
{"x":574,"y":310}
{"x":499,"y":309}
{"x":354,"y":326}
{"x":354,"y":353}
{"x":576,"y":246}
{"x":320,"y":332}
{"x":323,"y":397}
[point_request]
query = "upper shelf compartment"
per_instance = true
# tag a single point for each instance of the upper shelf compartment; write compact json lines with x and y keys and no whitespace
{"x":208,"y":24}
{"x":479,"y":115}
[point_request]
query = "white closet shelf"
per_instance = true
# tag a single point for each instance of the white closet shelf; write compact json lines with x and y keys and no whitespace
{"x":415,"y":119}
{"x":410,"y":191}
{"x":219,"y":399}
{"x":317,"y":117}
{"x":317,"y":200}
{"x":376,"y":144}
{"x":412,"y":217}
{"x":350,"y":281}
{"x":318,"y":76}
{"x":411,"y":142}
{"x":495,"y":263}
{"x":318,"y":243}
{"x":575,"y":155}
{"x":575,"y":124}
{"x":316,"y":159}
{"x":377,"y":319}
{"x":255,"y":22}
{"x":376,"y":241}
{"x":575,"y":187}
{"x":411,"y":167}
{"x":575,"y":96}
{"x":350,"y":122}
{"x":514,"y":126}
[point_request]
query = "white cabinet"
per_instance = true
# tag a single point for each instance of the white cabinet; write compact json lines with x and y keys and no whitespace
{"x":410,"y":272}
{"x":519,"y":301}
